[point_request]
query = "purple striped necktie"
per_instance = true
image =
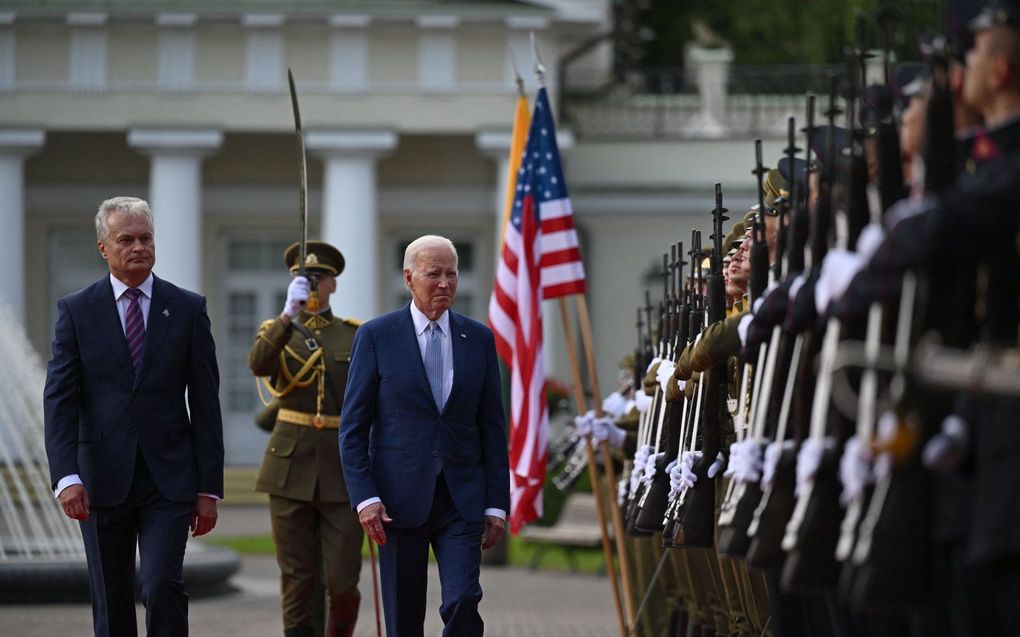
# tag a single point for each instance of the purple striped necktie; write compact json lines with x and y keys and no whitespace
{"x":134,"y":326}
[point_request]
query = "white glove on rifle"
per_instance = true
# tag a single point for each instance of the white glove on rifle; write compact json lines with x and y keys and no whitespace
{"x":604,"y":429}
{"x":583,"y":423}
{"x":642,"y":401}
{"x":665,"y":373}
{"x":615,"y":404}
{"x":945,"y":450}
{"x":297,"y":294}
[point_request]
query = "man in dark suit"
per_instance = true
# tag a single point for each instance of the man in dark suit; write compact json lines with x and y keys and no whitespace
{"x":423,"y":444}
{"x":133,"y":430}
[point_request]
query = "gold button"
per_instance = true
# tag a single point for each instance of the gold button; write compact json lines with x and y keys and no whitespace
{"x":272,"y":448}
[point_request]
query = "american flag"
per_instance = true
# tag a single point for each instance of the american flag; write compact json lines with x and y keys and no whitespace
{"x":540,"y":260}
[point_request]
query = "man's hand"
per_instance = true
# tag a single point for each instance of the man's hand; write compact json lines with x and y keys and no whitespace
{"x":297,"y":295}
{"x":494,"y":528}
{"x":372,"y":519}
{"x":75,"y":502}
{"x":203,"y":516}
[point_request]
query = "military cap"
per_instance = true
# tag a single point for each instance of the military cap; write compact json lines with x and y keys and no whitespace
{"x":728,"y":241}
{"x":877,"y":103}
{"x":321,"y":258}
{"x":800,"y":168}
{"x":773,"y":187}
{"x":820,"y":141}
{"x":909,"y":79}
{"x":997,"y":13}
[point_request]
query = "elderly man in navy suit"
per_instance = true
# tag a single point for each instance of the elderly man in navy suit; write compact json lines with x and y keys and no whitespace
{"x":133,"y":430}
{"x":423,"y":445}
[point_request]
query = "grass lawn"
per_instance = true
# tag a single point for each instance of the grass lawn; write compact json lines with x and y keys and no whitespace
{"x":520,"y":553}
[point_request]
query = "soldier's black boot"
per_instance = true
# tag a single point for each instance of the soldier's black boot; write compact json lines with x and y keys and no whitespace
{"x":298,"y":631}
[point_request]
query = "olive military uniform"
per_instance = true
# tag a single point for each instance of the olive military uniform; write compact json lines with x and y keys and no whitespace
{"x":301,"y":467}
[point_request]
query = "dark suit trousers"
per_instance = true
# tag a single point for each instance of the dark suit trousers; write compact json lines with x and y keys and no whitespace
{"x":404,"y":566}
{"x":159,"y":528}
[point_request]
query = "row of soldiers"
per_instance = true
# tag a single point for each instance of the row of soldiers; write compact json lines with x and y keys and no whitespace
{"x":820,"y":442}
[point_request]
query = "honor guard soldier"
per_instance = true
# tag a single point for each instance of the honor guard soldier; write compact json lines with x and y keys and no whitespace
{"x":302,"y":356}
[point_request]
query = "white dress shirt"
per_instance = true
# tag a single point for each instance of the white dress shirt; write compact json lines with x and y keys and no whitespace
{"x":421,"y":322}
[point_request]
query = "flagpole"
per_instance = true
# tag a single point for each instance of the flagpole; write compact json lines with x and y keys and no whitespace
{"x":596,"y":486}
{"x":596,"y":396}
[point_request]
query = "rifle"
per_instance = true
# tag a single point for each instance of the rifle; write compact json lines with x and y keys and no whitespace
{"x":737,"y":511}
{"x":696,"y":524}
{"x":690,"y":409}
{"x":653,"y":504}
{"x":779,"y":480}
{"x":813,"y":529}
{"x":896,"y":531}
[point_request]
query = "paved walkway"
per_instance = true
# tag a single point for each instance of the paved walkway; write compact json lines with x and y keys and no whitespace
{"x":517,"y":602}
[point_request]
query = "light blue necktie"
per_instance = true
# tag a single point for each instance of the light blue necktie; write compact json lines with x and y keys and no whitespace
{"x":434,"y":361}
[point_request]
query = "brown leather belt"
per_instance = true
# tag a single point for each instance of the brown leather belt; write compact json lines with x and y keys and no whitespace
{"x":304,"y":419}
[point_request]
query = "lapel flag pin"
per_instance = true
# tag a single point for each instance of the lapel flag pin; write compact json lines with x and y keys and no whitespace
{"x":463,"y":335}
{"x":166,"y":312}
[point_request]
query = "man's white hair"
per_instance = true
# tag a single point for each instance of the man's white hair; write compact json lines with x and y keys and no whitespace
{"x":130,"y":206}
{"x":424,"y":243}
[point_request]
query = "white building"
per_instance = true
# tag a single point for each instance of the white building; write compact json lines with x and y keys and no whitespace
{"x":406,"y":106}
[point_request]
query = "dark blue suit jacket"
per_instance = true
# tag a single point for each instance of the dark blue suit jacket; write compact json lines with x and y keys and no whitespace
{"x":99,"y":412}
{"x":392,"y":435}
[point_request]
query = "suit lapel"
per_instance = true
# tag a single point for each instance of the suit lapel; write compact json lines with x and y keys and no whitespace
{"x":460,"y":346}
{"x":409,"y":343}
{"x":109,"y":325}
{"x":160,"y":315}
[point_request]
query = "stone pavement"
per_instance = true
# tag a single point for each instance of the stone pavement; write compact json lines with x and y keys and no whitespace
{"x":517,"y":603}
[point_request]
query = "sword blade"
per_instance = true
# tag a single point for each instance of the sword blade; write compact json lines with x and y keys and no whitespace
{"x":302,"y":175}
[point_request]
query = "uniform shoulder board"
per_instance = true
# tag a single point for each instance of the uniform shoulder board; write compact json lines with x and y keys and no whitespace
{"x":265,"y":324}
{"x":353,"y":322}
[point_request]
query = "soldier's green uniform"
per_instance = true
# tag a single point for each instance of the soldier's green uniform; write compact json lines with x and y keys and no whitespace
{"x":301,"y":467}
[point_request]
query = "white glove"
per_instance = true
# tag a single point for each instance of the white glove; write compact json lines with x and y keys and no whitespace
{"x":745,"y":461}
{"x":642,"y":401}
{"x":944,"y":451}
{"x":676,"y":484}
{"x":743,"y":326}
{"x":583,"y":423}
{"x":665,"y":373}
{"x":797,"y":284}
{"x":809,"y":458}
{"x":854,"y":469}
{"x":640,"y":460}
{"x":621,"y":491}
{"x":655,"y":361}
{"x":716,"y":466}
{"x":615,"y":404}
{"x":838,"y":269}
{"x":653,"y":461}
{"x":772,"y":454}
{"x":687,"y":475}
{"x":297,"y":294}
{"x":870,"y":238}
{"x":603,"y":429}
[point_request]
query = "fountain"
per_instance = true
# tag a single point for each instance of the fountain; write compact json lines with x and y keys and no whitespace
{"x":41,"y":553}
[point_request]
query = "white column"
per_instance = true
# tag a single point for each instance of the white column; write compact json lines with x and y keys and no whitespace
{"x":350,"y":216}
{"x":175,"y":196}
{"x":15,"y":145}
{"x":495,"y":144}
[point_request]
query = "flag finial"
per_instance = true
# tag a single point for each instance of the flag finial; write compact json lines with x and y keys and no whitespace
{"x":517,"y":73}
{"x":539,"y":67}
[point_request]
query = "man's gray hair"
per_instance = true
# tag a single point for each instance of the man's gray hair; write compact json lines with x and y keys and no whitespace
{"x":424,"y":243}
{"x":130,"y":206}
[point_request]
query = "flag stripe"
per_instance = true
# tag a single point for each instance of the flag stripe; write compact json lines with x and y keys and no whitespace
{"x":540,"y":259}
